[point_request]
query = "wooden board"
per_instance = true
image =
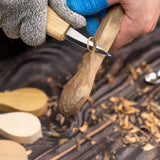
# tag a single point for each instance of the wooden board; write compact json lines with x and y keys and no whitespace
{"x":51,"y":71}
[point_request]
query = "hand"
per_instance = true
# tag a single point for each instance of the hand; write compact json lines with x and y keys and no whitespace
{"x":141,"y":17}
{"x":87,"y":8}
{"x":27,"y":19}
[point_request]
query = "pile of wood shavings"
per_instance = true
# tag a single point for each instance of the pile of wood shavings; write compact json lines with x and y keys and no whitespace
{"x":137,"y":126}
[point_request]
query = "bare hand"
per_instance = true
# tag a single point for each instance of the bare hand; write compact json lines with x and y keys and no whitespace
{"x":141,"y":17}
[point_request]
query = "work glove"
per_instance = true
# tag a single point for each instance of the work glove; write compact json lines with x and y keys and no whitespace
{"x":87,"y":8}
{"x":26,"y":19}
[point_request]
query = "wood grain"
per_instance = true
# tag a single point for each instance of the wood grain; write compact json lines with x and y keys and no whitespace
{"x":56,"y":26}
{"x":144,"y":49}
{"x":78,"y":89}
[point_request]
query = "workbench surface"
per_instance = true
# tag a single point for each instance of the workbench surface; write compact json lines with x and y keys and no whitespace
{"x":50,"y":66}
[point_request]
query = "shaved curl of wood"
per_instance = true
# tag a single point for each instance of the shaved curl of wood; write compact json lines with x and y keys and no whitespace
{"x":78,"y":89}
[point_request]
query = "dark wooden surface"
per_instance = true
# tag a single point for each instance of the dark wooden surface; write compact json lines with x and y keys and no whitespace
{"x":50,"y":66}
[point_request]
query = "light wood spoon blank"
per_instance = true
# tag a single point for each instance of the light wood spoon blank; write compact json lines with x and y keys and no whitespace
{"x":10,"y":150}
{"x":31,"y":100}
{"x":78,"y":89}
{"x":22,"y":127}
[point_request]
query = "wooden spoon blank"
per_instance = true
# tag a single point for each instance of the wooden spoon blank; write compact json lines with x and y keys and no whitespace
{"x":78,"y":89}
{"x":20,"y":126}
{"x":10,"y":150}
{"x":31,"y":100}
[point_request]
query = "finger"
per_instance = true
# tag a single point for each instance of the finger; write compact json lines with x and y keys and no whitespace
{"x":10,"y":26}
{"x":60,"y":7}
{"x":92,"y":25}
{"x":87,"y":7}
{"x":128,"y":32}
{"x":33,"y":28}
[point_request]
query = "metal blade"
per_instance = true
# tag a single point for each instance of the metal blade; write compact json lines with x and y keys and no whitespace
{"x":77,"y":38}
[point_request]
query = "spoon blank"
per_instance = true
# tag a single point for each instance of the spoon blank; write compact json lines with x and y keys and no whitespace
{"x":10,"y":150}
{"x":20,"y":126}
{"x":31,"y":100}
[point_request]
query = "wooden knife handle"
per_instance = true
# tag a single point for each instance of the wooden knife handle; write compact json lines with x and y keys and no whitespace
{"x":56,"y":26}
{"x":78,"y":89}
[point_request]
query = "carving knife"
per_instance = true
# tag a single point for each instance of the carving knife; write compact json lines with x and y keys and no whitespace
{"x":61,"y":30}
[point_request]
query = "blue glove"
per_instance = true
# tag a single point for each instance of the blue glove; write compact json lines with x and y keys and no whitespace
{"x":87,"y":8}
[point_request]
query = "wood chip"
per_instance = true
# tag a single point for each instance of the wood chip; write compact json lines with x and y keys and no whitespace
{"x":140,"y":121}
{"x":134,"y":73}
{"x":127,"y":103}
{"x":84,"y":127}
{"x":106,"y":156}
{"x":134,"y":130}
{"x":130,"y":139}
{"x":97,"y":157}
{"x":110,"y":78}
{"x":60,"y":118}
{"x":48,"y":112}
{"x":29,"y":151}
{"x":126,"y":123}
{"x":148,"y":147}
{"x":93,"y":111}
{"x":155,"y":107}
{"x":93,"y":142}
{"x":62,"y":141}
{"x":104,"y":106}
{"x":54,"y":134}
{"x":145,"y":90}
{"x":78,"y":143}
{"x":74,"y":130}
{"x":91,"y":100}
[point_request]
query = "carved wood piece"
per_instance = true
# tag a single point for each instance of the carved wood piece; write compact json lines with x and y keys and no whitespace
{"x":12,"y":150}
{"x":78,"y":89}
{"x":22,"y":127}
{"x":32,"y":100}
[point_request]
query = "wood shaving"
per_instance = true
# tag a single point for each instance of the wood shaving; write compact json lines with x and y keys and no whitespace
{"x":29,"y":151}
{"x":54,"y":134}
{"x":136,"y":125}
{"x":97,"y":157}
{"x":93,"y":142}
{"x":106,"y":156}
{"x":84,"y":127}
{"x":130,"y":139}
{"x":134,"y":73}
{"x":91,"y":100}
{"x":148,"y":147}
{"x":93,"y":116}
{"x":104,"y":106}
{"x":78,"y":143}
{"x":74,"y":130}
{"x":60,"y":118}
{"x":110,"y":78}
{"x":62,"y":141}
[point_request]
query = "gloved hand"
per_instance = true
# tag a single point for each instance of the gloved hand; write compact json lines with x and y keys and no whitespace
{"x":87,"y":8}
{"x":27,"y":18}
